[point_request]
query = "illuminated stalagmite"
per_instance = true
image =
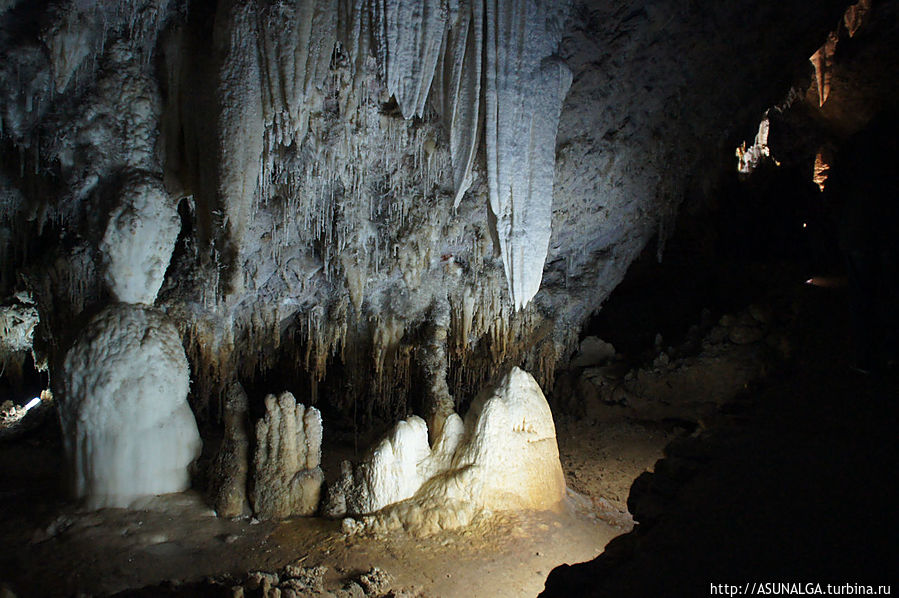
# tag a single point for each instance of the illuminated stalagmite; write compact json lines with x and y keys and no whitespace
{"x":126,"y":423}
{"x":503,"y":456}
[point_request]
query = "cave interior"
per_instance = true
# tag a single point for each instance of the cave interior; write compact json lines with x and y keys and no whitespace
{"x":448,"y":297}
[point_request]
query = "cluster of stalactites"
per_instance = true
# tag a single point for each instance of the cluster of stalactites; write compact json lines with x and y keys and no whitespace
{"x":481,"y":333}
{"x":524,"y":87}
{"x":274,"y":67}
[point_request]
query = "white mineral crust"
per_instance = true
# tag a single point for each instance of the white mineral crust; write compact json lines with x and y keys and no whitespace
{"x":139,"y":240}
{"x":504,"y":456}
{"x":127,"y":426}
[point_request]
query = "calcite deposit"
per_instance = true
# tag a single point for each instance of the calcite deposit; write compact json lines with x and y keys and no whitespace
{"x":127,"y":427}
{"x":386,"y":202}
{"x":287,"y":475}
{"x":503,"y":456}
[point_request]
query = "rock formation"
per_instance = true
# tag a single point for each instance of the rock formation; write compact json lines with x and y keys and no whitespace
{"x":229,"y":475}
{"x":126,"y":423}
{"x":287,"y":476}
{"x":503,"y":456}
{"x":139,"y":239}
{"x":359,"y":192}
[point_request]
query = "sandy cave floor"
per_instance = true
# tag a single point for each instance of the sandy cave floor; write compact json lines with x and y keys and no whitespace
{"x":49,"y":548}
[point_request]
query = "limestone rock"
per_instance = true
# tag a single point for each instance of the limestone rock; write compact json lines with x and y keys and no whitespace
{"x":287,"y":476}
{"x":593,"y":351}
{"x":335,"y":505}
{"x":304,"y":580}
{"x":504,"y":456}
{"x":139,"y":239}
{"x":376,"y":582}
{"x":230,"y":470}
{"x":127,"y":426}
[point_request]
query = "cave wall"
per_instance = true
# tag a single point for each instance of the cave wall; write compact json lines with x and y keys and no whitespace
{"x":380,"y":201}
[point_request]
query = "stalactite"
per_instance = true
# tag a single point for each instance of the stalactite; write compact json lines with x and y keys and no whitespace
{"x":410,"y":36}
{"x":240,"y":122}
{"x":856,"y":15}
{"x":457,"y":90}
{"x":521,"y":69}
{"x":822,"y":60}
{"x":324,"y":210}
{"x":296,"y":42}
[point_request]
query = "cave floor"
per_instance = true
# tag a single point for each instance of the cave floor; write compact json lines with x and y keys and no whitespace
{"x":180,"y":541}
{"x":48,"y":547}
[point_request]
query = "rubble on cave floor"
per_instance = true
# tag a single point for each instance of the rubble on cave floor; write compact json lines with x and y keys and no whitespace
{"x":618,"y":416}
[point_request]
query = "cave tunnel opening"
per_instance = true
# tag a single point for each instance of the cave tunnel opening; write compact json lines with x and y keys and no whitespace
{"x":761,"y":231}
{"x":440,"y":299}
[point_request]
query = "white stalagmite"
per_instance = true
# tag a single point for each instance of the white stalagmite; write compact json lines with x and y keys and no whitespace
{"x":511,"y":445}
{"x":410,"y":37}
{"x":503,"y":457}
{"x":127,"y":426}
{"x":287,"y":476}
{"x":526,"y":85}
{"x":400,"y":463}
{"x":139,"y":239}
{"x":390,"y":474}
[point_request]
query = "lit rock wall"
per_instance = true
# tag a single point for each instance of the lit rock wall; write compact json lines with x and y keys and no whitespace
{"x":409,"y":194}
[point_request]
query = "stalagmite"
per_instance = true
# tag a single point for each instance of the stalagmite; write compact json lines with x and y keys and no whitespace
{"x":390,"y":474}
{"x":439,"y":403}
{"x":748,"y":158}
{"x":126,"y":423}
{"x":504,"y":456}
{"x":526,"y":85}
{"x":285,"y":180}
{"x":287,"y":476}
{"x":139,"y":239}
{"x":230,"y":469}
